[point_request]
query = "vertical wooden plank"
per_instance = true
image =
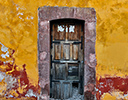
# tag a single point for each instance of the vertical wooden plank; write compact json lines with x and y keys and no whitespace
{"x":71,"y":89}
{"x":56,"y":71}
{"x":57,"y":51}
{"x":56,"y":90}
{"x":62,"y":90}
{"x":75,"y":35}
{"x":52,"y":51}
{"x":66,"y":50}
{"x":78,"y":30}
{"x":53,"y":90}
{"x":62,"y":33}
{"x":66,"y":90}
{"x":70,"y":33}
{"x":70,"y":51}
{"x":58,"y":85}
{"x":81,"y":54}
{"x":53,"y":71}
{"x":61,"y":51}
{"x":75,"y":52}
{"x":66,"y":71}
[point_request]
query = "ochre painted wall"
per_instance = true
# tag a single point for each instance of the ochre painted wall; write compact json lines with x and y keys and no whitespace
{"x":18,"y":43}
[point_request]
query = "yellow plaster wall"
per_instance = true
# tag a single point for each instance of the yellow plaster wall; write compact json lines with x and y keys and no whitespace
{"x":19,"y":27}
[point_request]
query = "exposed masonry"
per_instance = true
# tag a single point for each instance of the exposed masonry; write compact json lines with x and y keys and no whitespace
{"x":46,"y":14}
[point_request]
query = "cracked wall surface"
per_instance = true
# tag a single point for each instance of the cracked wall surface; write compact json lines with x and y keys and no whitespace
{"x":18,"y":33}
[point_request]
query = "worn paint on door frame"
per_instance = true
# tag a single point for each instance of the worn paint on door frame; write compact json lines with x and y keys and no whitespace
{"x":46,"y":14}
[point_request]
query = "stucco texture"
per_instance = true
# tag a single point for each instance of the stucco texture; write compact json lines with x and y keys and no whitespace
{"x":18,"y":43}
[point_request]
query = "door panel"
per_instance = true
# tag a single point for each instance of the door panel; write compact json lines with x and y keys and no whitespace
{"x":74,"y":32}
{"x":62,"y":50}
{"x":60,"y":71}
{"x":57,"y":51}
{"x":75,"y":52}
{"x":67,"y":90}
{"x":59,"y":32}
{"x":56,"y":90}
{"x":73,"y":70}
{"x":66,"y":51}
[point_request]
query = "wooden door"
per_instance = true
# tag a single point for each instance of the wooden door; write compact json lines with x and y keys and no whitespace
{"x":66,"y":58}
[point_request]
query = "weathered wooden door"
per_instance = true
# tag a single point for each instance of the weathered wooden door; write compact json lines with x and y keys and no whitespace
{"x":66,"y":57}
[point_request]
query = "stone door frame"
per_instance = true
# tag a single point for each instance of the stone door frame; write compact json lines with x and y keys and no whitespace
{"x":45,"y":15}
